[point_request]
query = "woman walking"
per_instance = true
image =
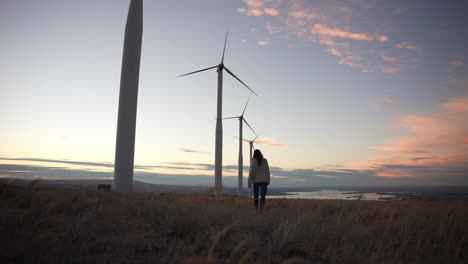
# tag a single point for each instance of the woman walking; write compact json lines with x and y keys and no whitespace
{"x":259,"y":174}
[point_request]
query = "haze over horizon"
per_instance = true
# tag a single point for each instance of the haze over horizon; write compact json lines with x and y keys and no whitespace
{"x":350,"y":92}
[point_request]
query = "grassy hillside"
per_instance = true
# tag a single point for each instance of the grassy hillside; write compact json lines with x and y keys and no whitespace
{"x":39,"y":225}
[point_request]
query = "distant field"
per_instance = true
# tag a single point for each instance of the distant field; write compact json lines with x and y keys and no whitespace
{"x":46,"y":225}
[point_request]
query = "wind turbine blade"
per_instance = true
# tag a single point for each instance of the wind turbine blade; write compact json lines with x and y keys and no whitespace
{"x":257,"y":136}
{"x":249,"y":126}
{"x":246,"y":105}
{"x":242,"y":139}
{"x":232,"y":74}
{"x":232,"y":117}
{"x":197,"y":71}
{"x":225,"y":41}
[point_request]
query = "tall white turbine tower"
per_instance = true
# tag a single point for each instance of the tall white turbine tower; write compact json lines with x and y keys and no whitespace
{"x":219,"y":125}
{"x":126,"y":123}
{"x":240,"y":166}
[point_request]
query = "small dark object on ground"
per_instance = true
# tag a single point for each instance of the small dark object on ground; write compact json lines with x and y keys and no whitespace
{"x":106,"y":187}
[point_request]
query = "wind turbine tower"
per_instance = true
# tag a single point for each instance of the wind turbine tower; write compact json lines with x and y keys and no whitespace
{"x":219,"y":126}
{"x":240,"y":165}
{"x":251,"y":145}
{"x":126,"y":122}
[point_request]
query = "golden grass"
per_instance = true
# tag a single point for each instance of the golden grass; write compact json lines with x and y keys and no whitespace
{"x":39,"y":225}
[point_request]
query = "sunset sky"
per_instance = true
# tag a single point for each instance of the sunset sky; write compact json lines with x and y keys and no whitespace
{"x":350,"y":92}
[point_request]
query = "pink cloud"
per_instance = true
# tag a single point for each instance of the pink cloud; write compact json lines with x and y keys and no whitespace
{"x":334,"y":26}
{"x":390,"y":70}
{"x":458,"y":105}
{"x":328,"y":36}
{"x":336,"y":48}
{"x":335,"y":51}
{"x":382,"y":38}
{"x":255,"y":3}
{"x":408,"y":45}
{"x":268,"y":142}
{"x":272,"y":29}
{"x":255,"y":12}
{"x":351,"y":61}
{"x":340,"y":33}
{"x":389,"y":58}
{"x":303,"y":14}
{"x":433,"y":142}
{"x":271,"y":11}
{"x":378,"y":104}
{"x":262,"y":43}
{"x":259,"y":8}
{"x":325,"y":30}
{"x":373,"y":104}
{"x":333,"y":43}
{"x":457,"y":63}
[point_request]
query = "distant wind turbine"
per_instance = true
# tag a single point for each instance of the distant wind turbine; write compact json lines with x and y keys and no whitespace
{"x":219,"y":127}
{"x":240,"y":165}
{"x":126,"y":121}
{"x":249,"y":183}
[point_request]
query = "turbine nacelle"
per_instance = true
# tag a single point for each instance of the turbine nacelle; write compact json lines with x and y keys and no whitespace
{"x":241,"y":117}
{"x":220,"y":67}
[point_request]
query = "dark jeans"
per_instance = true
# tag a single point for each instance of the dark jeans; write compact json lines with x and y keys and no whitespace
{"x":263,"y":190}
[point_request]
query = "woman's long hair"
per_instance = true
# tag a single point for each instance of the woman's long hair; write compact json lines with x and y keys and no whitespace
{"x":258,"y":156}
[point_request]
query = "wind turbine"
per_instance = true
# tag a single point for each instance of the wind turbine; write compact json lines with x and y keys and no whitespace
{"x":126,"y":121}
{"x":219,"y":127}
{"x":249,"y":183}
{"x":240,"y":166}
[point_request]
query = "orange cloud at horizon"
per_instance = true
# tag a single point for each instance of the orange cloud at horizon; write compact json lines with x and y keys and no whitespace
{"x":457,"y":105}
{"x":268,"y":142}
{"x":436,"y":142}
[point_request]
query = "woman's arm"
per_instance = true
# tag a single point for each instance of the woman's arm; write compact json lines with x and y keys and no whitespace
{"x":267,"y":171}
{"x":251,"y":172}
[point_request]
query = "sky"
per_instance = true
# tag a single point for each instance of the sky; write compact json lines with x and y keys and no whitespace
{"x":349,"y":92}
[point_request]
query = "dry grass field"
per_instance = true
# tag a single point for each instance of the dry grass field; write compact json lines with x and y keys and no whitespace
{"x":45,"y":225}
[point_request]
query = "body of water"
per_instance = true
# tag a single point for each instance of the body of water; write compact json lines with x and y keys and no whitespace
{"x":336,"y":194}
